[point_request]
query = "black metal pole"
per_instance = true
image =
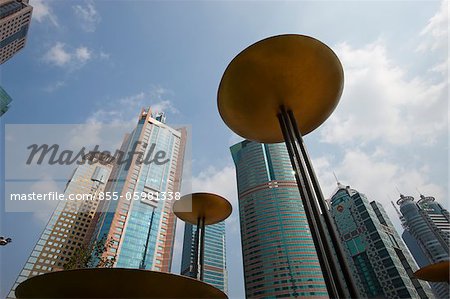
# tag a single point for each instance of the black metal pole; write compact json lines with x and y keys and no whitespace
{"x":341,"y":257}
{"x":202,"y":247}
{"x":196,"y":250}
{"x":312,"y":215}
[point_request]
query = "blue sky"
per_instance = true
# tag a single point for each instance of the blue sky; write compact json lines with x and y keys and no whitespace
{"x":100,"y":61}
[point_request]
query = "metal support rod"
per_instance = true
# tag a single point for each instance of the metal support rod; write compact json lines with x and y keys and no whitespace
{"x":311,"y":212}
{"x":202,"y":248}
{"x":335,"y":240}
{"x":196,"y":249}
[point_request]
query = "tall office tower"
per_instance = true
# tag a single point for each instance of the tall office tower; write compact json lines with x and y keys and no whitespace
{"x":279,"y":256}
{"x":71,"y":224}
{"x":428,"y":223}
{"x":380,"y":262}
{"x":141,"y":223}
{"x":215,"y":255}
{"x":411,"y":243}
{"x":5,"y":100}
{"x":15,"y":17}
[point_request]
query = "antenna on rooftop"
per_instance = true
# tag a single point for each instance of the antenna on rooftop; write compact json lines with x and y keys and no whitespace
{"x":335,"y":177}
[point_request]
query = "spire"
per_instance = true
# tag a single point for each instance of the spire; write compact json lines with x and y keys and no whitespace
{"x":400,"y":216}
{"x":401,"y":195}
{"x":340,"y":186}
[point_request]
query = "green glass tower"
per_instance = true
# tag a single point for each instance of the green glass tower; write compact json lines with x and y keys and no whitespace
{"x":279,"y":256}
{"x":5,"y":100}
{"x":380,"y":262}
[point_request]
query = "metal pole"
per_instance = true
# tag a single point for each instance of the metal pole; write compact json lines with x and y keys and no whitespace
{"x":202,"y":248}
{"x":311,"y":212}
{"x":196,"y":249}
{"x":341,"y":257}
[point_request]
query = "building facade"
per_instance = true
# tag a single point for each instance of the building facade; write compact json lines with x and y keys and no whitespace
{"x":380,"y":262}
{"x":215,"y":264}
{"x":278,"y":251}
{"x":141,"y":222}
{"x":15,"y":18}
{"x":5,"y":100}
{"x":71,"y":224}
{"x":428,"y":224}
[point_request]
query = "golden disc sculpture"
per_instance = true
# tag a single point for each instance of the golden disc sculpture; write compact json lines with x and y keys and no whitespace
{"x":439,"y":272}
{"x":280,"y":89}
{"x":212,"y":207}
{"x":201,"y":209}
{"x":296,"y":71}
{"x":115,"y":283}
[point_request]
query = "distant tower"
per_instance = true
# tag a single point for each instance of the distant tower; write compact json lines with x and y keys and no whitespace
{"x":15,"y":17}
{"x":5,"y":100}
{"x":215,"y":255}
{"x":279,"y":256}
{"x":381,"y":264}
{"x":428,"y":224}
{"x":72,"y":222}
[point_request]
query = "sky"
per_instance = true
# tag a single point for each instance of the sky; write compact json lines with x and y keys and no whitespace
{"x":101,"y":61}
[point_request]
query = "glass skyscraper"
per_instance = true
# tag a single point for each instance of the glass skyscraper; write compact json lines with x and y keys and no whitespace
{"x":5,"y":100}
{"x":15,"y":18}
{"x":215,"y":254}
{"x":279,"y":256}
{"x":71,"y":224}
{"x":141,"y":223}
{"x":428,"y":223}
{"x":380,"y":262}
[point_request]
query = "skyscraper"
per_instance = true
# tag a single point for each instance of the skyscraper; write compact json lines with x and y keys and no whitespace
{"x":141,"y":222}
{"x":278,"y":251}
{"x":215,"y":254}
{"x":429,"y":224}
{"x":15,"y":17}
{"x":5,"y":100}
{"x":380,"y":262}
{"x":72,"y":222}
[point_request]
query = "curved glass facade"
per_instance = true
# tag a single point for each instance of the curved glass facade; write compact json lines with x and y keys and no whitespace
{"x":278,"y":252}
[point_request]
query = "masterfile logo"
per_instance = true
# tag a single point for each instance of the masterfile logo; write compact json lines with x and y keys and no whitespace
{"x":40,"y":160}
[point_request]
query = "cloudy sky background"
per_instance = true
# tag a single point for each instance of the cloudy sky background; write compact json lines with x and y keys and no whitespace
{"x":100,"y":62}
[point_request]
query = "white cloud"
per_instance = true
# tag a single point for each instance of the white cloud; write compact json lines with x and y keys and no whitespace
{"x":221,"y":182}
{"x":54,"y":86}
{"x":218,"y":181}
{"x":124,"y":110}
{"x":435,"y":35}
{"x":88,"y":15}
{"x":42,"y":11}
{"x":376,"y":176}
{"x":83,"y":54}
{"x":104,"y":55}
{"x":59,"y":55}
{"x":380,"y":102}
